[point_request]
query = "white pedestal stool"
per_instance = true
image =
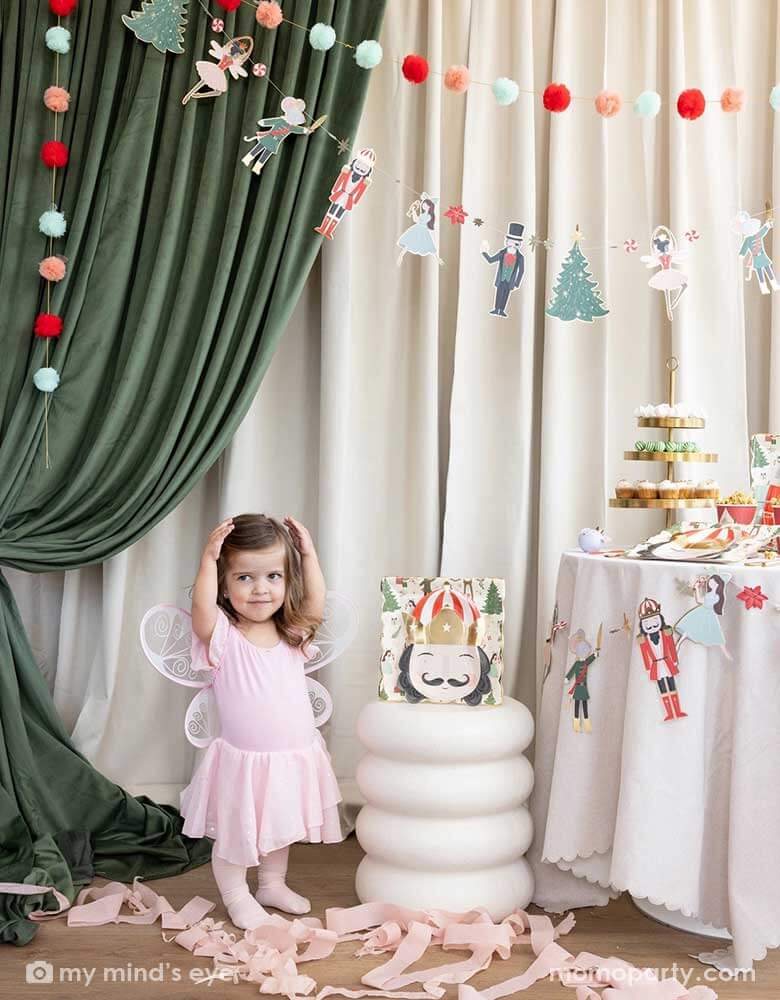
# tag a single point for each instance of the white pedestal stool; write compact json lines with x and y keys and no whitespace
{"x":445,"y":825}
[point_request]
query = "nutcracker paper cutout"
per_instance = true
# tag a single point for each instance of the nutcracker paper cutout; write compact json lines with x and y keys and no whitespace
{"x":585,"y":655}
{"x":510,"y":269}
{"x":659,"y":655}
{"x":702,"y":623}
{"x":272,"y":132}
{"x":669,"y":279}
{"x":752,"y":250}
{"x":448,"y":650}
{"x":420,"y":238}
{"x":351,"y":184}
{"x":230,"y":59}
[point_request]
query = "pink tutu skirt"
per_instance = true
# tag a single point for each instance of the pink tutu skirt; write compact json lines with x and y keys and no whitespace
{"x":252,"y":803}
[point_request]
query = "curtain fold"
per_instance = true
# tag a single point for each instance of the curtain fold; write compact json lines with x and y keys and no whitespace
{"x":184,"y":268}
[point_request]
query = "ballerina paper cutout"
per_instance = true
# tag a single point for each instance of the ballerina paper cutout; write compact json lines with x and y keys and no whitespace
{"x":272,"y":132}
{"x":701,"y":623}
{"x":420,"y":237}
{"x":669,"y":279}
{"x":230,"y":57}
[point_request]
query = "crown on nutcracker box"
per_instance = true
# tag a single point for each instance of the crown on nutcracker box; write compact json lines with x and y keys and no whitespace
{"x":445,"y":617}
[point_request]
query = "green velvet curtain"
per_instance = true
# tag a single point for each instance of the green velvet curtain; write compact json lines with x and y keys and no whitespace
{"x":183,"y":268}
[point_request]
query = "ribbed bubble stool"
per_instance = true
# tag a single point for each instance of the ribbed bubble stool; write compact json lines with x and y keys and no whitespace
{"x":445,"y":824}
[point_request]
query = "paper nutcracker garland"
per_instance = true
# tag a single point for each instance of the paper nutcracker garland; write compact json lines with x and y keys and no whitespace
{"x":448,"y":651}
{"x":351,"y":184}
{"x":230,"y":58}
{"x":753,"y":232}
{"x":659,"y":655}
{"x":161,"y":22}
{"x":576,"y":294}
{"x":510,"y":267}
{"x":668,"y":279}
{"x":585,"y":655}
{"x":271,"y":132}
{"x":701,"y":624}
{"x":421,"y":237}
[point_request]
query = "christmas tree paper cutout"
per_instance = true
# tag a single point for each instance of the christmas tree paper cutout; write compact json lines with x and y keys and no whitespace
{"x":493,"y":603}
{"x":391,"y":602}
{"x":759,"y":459}
{"x":160,"y":22}
{"x":576,"y":294}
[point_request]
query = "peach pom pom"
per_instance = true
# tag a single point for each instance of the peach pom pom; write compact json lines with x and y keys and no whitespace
{"x":457,"y":78}
{"x":269,"y":14}
{"x":608,"y":103}
{"x":732,"y":99}
{"x":52,"y":268}
{"x":56,"y":99}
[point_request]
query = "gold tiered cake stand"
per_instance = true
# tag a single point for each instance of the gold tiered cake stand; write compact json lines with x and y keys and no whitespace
{"x":670,"y":424}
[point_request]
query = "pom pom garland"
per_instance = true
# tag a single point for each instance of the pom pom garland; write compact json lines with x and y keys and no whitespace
{"x":608,"y":103}
{"x":52,"y":223}
{"x":505,"y":90}
{"x":46,"y":379}
{"x":457,"y":79}
{"x":415,"y":68}
{"x":732,"y":99}
{"x":56,"y":99}
{"x":62,"y":7}
{"x":322,"y":37}
{"x":368,"y":54}
{"x":269,"y":14}
{"x":47,"y":325}
{"x":58,"y":39}
{"x":774,"y":98}
{"x":690,"y":104}
{"x":54,"y":154}
{"x":52,"y":268}
{"x":648,"y":104}
{"x":556,"y":97}
{"x":229,"y":4}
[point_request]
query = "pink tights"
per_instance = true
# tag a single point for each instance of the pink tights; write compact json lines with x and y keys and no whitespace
{"x":245,"y":910}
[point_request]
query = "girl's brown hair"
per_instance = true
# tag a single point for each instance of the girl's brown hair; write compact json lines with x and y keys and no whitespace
{"x":258,"y":532}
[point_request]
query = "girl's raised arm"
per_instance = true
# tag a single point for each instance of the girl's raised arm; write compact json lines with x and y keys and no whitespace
{"x":204,"y":593}
{"x":314,"y":588}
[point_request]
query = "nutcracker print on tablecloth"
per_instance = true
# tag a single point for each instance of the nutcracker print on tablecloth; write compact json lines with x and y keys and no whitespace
{"x":753,"y":232}
{"x":668,"y":279}
{"x":271,"y":132}
{"x":660,"y":658}
{"x":351,"y":184}
{"x":701,"y":624}
{"x":585,"y":655}
{"x":439,"y":644}
{"x":213,"y":75}
{"x":510,"y":268}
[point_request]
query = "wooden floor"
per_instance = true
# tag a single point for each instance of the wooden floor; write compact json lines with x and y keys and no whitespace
{"x":326,"y":875}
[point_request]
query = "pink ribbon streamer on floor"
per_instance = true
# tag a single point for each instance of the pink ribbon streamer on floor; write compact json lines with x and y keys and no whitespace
{"x":269,"y":955}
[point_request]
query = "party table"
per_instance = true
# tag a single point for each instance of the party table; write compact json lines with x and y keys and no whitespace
{"x":658,"y":748}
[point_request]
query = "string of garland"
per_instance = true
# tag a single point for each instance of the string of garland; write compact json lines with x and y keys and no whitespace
{"x":54,"y":155}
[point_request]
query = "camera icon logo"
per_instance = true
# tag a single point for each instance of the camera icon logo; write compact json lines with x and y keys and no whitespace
{"x":39,"y":972}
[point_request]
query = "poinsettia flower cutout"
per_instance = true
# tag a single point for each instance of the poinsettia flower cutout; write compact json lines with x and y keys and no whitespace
{"x":456,"y":214}
{"x":753,"y":597}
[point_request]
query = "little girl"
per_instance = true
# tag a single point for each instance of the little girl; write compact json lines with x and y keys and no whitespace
{"x":267,"y":781}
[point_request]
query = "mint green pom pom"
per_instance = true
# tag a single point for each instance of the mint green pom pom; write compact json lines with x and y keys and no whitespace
{"x":648,"y":104}
{"x":52,"y":223}
{"x":505,"y":90}
{"x":46,"y":379}
{"x":368,"y":54}
{"x":58,"y":39}
{"x":322,"y":37}
{"x":774,"y":98}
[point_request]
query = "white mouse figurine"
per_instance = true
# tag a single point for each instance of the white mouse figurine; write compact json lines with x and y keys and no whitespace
{"x":592,"y":540}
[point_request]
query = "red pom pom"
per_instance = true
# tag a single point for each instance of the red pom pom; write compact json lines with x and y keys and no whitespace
{"x":54,"y":154}
{"x":415,"y":68}
{"x":62,"y":7}
{"x":48,"y":325}
{"x":229,"y":4}
{"x":556,"y":97}
{"x":690,"y":104}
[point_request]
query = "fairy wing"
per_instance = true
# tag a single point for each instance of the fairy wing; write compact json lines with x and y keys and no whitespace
{"x":166,"y":639}
{"x":337,"y":631}
{"x":201,"y":723}
{"x":321,"y":702}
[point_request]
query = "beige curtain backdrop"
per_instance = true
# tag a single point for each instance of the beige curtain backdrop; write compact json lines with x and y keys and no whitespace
{"x":412,"y":431}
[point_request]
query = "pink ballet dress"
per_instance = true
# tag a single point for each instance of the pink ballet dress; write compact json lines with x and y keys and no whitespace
{"x":267,"y":780}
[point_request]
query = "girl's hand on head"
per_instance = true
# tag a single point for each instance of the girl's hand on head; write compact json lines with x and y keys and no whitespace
{"x":300,"y":536}
{"x":216,"y":538}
